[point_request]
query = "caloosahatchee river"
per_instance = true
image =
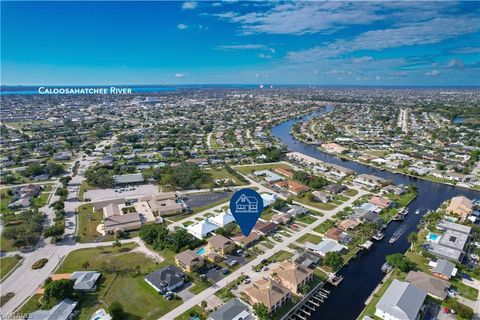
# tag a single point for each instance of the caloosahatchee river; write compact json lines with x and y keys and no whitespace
{"x":363,"y":274}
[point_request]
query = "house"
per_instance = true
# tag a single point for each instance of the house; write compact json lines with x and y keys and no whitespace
{"x":221,"y":245}
{"x":338,"y":235}
{"x":292,"y":275}
{"x":268,"y":199}
{"x":452,"y":243}
{"x":393,"y":189}
{"x":294,"y":187}
{"x":296,"y":210}
{"x":165,"y":279}
{"x":265,"y":228}
{"x":267,"y":292}
{"x":381,"y":202}
{"x":444,"y":269}
{"x":234,"y":309}
{"x":335,"y":188}
{"x":434,"y":287}
{"x":363,"y":215}
{"x":460,"y":206}
{"x":189,"y":260}
{"x":85,"y":280}
{"x":246,"y":204}
{"x":325,"y":246}
{"x":131,"y":178}
{"x":369,"y":181}
{"x":283,"y":218}
{"x":61,"y":156}
{"x":125,"y":222}
{"x":222,"y":219}
{"x":202,"y":229}
{"x":268,"y":175}
{"x":166,"y":203}
{"x":64,"y":310}
{"x":322,"y":196}
{"x":307,"y":258}
{"x":246,"y":241}
{"x":348,"y":224}
{"x":401,"y":301}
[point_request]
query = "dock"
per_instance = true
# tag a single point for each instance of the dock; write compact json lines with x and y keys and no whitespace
{"x":307,"y":306}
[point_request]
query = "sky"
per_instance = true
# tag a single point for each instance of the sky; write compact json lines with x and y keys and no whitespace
{"x":239,"y":42}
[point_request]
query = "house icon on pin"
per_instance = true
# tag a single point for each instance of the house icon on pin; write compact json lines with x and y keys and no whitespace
{"x":246,"y":204}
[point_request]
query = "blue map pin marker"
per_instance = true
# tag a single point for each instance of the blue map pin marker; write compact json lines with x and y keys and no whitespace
{"x":246,"y":206}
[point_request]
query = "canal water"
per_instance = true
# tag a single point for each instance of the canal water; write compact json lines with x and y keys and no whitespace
{"x":363,"y":274}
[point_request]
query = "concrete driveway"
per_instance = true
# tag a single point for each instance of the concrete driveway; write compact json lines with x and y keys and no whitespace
{"x":185,"y":294}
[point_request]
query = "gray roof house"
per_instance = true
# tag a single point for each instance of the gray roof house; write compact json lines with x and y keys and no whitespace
{"x":452,"y":243}
{"x":64,"y":310}
{"x":401,"y":301}
{"x":85,"y":280}
{"x":166,"y":279}
{"x":444,"y":269}
{"x":130,"y":178}
{"x":234,"y":309}
{"x":433,"y":286}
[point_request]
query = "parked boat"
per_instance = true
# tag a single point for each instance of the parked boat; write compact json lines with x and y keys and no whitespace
{"x":417,"y":211}
{"x":392,"y":239}
{"x":387,"y":267}
{"x":398,"y":217}
{"x":379,"y":236}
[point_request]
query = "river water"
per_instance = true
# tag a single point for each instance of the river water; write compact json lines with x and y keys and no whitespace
{"x":363,"y":274}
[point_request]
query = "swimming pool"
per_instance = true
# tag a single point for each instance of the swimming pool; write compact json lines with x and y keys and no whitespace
{"x":201,"y":251}
{"x":433,"y":237}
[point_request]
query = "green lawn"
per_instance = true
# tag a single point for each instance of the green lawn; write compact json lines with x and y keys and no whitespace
{"x":306,"y":219}
{"x":128,"y":287}
{"x":196,"y":310}
{"x":88,"y":220}
{"x":464,"y":290}
{"x":41,"y":200}
{"x":320,"y":205}
{"x":31,"y":305}
{"x":350,"y":192}
{"x":7,"y":264}
{"x":281,"y":256}
{"x":310,"y":238}
{"x":4,"y":201}
{"x":223,"y":174}
{"x":264,"y":166}
{"x":324,"y":226}
{"x":419,"y":262}
{"x":83,"y":188}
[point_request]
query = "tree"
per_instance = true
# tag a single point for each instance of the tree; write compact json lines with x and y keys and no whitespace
{"x":58,"y":290}
{"x":116,"y":311}
{"x":399,"y":261}
{"x":304,"y":289}
{"x":203,"y":304}
{"x":412,"y":238}
{"x":260,"y":311}
{"x":54,"y":231}
{"x":86,"y":264}
{"x":334,"y":260}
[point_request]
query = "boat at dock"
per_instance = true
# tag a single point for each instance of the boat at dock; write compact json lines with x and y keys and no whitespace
{"x":417,"y":211}
{"x":398,"y":217}
{"x":386,"y":267}
{"x":378,"y":236}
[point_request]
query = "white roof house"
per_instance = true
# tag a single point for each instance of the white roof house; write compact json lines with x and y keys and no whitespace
{"x":202,"y":229}
{"x":222,"y":219}
{"x":327,"y":245}
{"x":268,"y":199}
{"x":401,"y":301}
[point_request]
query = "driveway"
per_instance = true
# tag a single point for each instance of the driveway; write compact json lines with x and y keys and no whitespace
{"x":184,"y":293}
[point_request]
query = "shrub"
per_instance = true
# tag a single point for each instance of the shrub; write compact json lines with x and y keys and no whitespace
{"x":39,"y":264}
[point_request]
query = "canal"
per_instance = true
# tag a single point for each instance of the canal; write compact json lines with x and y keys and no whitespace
{"x":363,"y":274}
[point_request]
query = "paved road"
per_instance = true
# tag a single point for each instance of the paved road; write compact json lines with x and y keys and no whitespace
{"x":248,"y":267}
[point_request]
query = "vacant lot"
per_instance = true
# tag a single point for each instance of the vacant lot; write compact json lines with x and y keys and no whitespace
{"x":263,"y":166}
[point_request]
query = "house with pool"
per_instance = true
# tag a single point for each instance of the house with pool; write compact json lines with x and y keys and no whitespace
{"x":449,"y":242}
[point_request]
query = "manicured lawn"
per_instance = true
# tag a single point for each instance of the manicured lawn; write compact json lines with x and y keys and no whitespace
{"x":464,"y":290}
{"x":419,"y":262}
{"x":324,"y":226}
{"x":267,"y":214}
{"x":4,"y":201}
{"x":7,"y":264}
{"x":6,"y":245}
{"x":320,"y":205}
{"x":223,"y":174}
{"x":350,"y":192}
{"x":267,"y":166}
{"x":41,"y":200}
{"x":31,"y":305}
{"x":88,"y":220}
{"x":310,"y":238}
{"x":281,"y":256}
{"x":306,"y":219}
{"x":128,"y":287}
{"x":196,"y":310}
{"x":199,"y":286}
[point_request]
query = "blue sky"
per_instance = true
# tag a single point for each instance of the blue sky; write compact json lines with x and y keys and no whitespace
{"x":324,"y":43}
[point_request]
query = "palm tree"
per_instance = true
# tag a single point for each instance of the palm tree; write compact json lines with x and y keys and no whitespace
{"x":86,"y":264}
{"x":412,"y":239}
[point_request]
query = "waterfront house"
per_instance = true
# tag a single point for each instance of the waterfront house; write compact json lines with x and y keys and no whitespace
{"x":292,"y":275}
{"x":452,"y":243}
{"x":401,"y":301}
{"x":324,"y":247}
{"x":381,"y":202}
{"x":189,"y":260}
{"x":444,"y":269}
{"x":268,"y":292}
{"x":234,"y":309}
{"x":460,"y":206}
{"x":165,"y":279}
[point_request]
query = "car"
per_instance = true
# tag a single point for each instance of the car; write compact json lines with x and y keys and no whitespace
{"x":265,"y":268}
{"x":239,"y":251}
{"x":225,"y":271}
{"x":452,"y":293}
{"x":246,"y":281}
{"x":264,"y":261}
{"x":465,"y":276}
{"x":232,"y":263}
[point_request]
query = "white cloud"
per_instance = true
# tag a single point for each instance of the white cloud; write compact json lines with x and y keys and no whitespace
{"x":456,"y":64}
{"x":362,"y":59}
{"x":182,"y":26}
{"x":433,"y":73}
{"x":180,"y":75}
{"x":189,"y":5}
{"x":264,"y":56}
